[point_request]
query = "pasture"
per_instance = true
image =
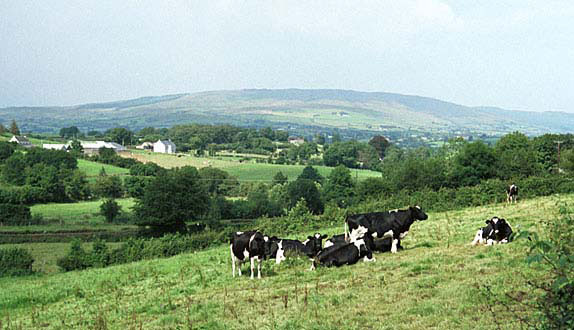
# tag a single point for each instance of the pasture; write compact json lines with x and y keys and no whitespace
{"x":92,"y":169}
{"x":244,"y":171}
{"x":438,"y":281}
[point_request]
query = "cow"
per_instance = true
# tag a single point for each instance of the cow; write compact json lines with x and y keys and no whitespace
{"x":511,"y":194}
{"x":394,"y":224}
{"x":497,"y":230}
{"x":247,"y":245}
{"x":378,"y":245}
{"x":271,"y":246}
{"x":343,"y":254}
{"x":310,"y":247}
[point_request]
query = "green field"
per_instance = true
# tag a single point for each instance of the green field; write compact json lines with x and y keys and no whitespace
{"x":436,"y":282}
{"x":93,"y":169}
{"x":246,"y":171}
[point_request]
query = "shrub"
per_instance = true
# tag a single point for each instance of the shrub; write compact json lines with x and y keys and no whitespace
{"x":13,"y":214}
{"x":77,"y":258}
{"x":15,"y":262}
{"x":110,"y":209}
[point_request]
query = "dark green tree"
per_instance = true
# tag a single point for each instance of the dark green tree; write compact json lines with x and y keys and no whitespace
{"x":49,"y":179}
{"x":6,"y":150}
{"x":13,"y":169}
{"x":14,"y":128}
{"x":76,"y":149}
{"x":339,"y":188}
{"x":69,"y":132}
{"x":77,"y":187}
{"x":380,"y":143}
{"x":2,"y":129}
{"x":516,"y":157}
{"x":120,"y":135}
{"x":307,"y":190}
{"x":311,"y":173}
{"x":475,"y":162}
{"x":171,"y":199}
{"x":108,"y":187}
{"x":279,"y":178}
{"x":110,"y":209}
{"x":217,"y":181}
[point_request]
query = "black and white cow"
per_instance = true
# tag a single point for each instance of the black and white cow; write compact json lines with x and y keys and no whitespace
{"x":378,"y":245}
{"x":511,"y":194}
{"x":343,"y":254}
{"x":247,"y":245}
{"x":497,"y":230}
{"x":310,"y":247}
{"x":394,"y":224}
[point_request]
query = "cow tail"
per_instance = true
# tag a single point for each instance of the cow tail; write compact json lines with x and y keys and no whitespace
{"x":346,"y":233}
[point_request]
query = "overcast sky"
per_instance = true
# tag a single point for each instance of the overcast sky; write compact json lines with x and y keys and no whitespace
{"x":513,"y":54}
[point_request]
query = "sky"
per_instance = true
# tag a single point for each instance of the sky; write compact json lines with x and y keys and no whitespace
{"x":515,"y":54}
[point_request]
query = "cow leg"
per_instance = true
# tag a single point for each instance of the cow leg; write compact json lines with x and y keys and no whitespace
{"x":477,"y":237}
{"x":252,"y":268}
{"x":239,"y":263}
{"x":232,"y":261}
{"x":394,"y":245}
{"x":258,"y":268}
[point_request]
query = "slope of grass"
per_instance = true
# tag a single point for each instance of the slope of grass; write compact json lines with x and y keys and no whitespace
{"x":93,"y":168}
{"x":436,"y":282}
{"x":245,"y":171}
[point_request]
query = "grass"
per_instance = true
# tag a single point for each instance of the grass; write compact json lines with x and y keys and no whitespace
{"x":246,"y":171}
{"x":436,"y":282}
{"x":92,"y":169}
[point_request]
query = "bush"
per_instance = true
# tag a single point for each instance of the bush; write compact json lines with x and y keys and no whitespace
{"x":13,"y":214}
{"x":76,"y":259}
{"x":110,"y":209}
{"x":15,"y":262}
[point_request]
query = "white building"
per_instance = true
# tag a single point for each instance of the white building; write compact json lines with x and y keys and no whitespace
{"x":21,"y":140}
{"x":53,"y":146}
{"x":93,"y":147}
{"x":164,"y":146}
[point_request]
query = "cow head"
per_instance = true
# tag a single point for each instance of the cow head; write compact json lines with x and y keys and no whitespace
{"x":315,"y":243}
{"x":418,"y":213}
{"x":364,"y":251}
{"x":271,"y":246}
{"x":500,"y":228}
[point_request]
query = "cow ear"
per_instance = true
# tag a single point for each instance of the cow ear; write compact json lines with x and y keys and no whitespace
{"x":310,"y":237}
{"x":502,"y":221}
{"x":324,"y":236}
{"x":488,"y":221}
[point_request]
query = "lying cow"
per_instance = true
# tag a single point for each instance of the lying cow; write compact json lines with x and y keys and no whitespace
{"x":497,"y":230}
{"x":511,"y":194}
{"x":393,"y":224}
{"x":309,"y":247}
{"x":343,"y":254}
{"x":378,"y":245}
{"x":247,"y":245}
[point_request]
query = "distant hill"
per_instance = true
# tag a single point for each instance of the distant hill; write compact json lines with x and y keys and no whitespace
{"x":322,"y":108}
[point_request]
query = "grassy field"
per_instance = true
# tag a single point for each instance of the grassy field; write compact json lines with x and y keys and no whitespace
{"x":436,"y":282}
{"x":93,"y":169}
{"x":246,"y":171}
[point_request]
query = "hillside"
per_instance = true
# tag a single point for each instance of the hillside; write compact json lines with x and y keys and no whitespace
{"x":438,"y":281}
{"x":291,"y":109}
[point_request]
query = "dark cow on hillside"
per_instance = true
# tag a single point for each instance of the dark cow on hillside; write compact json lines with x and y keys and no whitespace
{"x":393,"y":224}
{"x":343,"y":254}
{"x":497,"y":230}
{"x":310,"y":247}
{"x":377,"y":245}
{"x":511,"y":193}
{"x":247,"y":245}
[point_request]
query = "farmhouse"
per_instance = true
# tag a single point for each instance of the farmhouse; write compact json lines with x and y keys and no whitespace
{"x":164,"y":146}
{"x":145,"y":146}
{"x":296,"y":140}
{"x":21,"y":140}
{"x":93,"y":147}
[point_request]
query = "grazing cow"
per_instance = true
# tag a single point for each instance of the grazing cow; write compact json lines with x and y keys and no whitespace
{"x":247,"y":245}
{"x":497,"y":230}
{"x":378,"y":245}
{"x":511,"y":194}
{"x":343,"y":254}
{"x":393,"y":224}
{"x":310,"y":247}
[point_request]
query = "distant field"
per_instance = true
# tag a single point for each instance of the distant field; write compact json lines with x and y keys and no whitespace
{"x":246,"y":171}
{"x":80,"y":212}
{"x":437,"y":282}
{"x":93,"y":169}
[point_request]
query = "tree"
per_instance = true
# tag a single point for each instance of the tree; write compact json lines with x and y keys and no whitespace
{"x":474,"y":162}
{"x":279,"y":178}
{"x":49,"y":179}
{"x":76,"y":186}
{"x":310,"y":173}
{"x":76,"y":148}
{"x":110,"y":209}
{"x":217,"y":181}
{"x":339,"y":187}
{"x":69,"y":132}
{"x":336,"y":137}
{"x":171,"y":199}
{"x":6,"y":150}
{"x":108,"y":186}
{"x":380,"y":143}
{"x":516,"y":157}
{"x":320,"y":139}
{"x":13,"y":170}
{"x":120,"y":135}
{"x":307,"y":190}
{"x":2,"y":129}
{"x":14,"y":128}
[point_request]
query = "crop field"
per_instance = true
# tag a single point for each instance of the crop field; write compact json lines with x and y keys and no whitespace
{"x":92,"y":169}
{"x":246,"y":171}
{"x":439,"y":281}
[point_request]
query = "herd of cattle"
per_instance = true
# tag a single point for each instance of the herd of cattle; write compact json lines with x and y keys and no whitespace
{"x":364,"y":234}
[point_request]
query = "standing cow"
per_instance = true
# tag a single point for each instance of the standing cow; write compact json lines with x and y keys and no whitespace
{"x":247,"y":245}
{"x":393,"y":224}
{"x":511,"y":194}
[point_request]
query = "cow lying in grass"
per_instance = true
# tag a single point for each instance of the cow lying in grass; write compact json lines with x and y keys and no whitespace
{"x":377,"y":245}
{"x":343,"y":254}
{"x":497,"y":231}
{"x":310,"y":247}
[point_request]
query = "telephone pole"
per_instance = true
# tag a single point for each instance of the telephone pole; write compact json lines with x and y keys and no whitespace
{"x":559,"y":143}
